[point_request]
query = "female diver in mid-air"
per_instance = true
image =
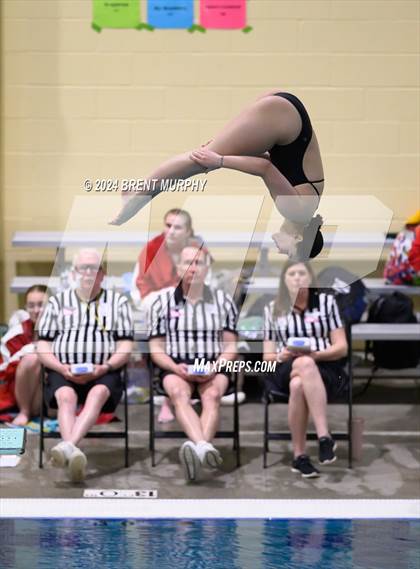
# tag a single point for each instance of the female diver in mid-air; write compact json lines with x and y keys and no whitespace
{"x":272,"y":138}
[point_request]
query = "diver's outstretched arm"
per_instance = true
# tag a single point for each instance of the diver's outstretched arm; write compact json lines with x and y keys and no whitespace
{"x":291,"y":203}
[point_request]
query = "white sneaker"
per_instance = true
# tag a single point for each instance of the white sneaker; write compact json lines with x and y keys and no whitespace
{"x":190,"y":461}
{"x":230,"y":399}
{"x":77,"y":465}
{"x":61,"y":453}
{"x":209,"y":455}
{"x":158,"y":399}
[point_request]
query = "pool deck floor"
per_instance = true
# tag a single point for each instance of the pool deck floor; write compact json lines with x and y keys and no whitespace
{"x":389,"y":467}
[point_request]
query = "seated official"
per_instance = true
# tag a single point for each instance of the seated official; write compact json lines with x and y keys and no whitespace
{"x":190,"y":323}
{"x":308,"y":378}
{"x":157,"y":268}
{"x":88,"y":325}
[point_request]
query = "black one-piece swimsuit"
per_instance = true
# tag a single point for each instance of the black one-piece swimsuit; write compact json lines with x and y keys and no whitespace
{"x":288,"y":158}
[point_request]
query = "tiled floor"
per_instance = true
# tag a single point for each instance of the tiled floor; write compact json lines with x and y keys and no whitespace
{"x":389,"y":467}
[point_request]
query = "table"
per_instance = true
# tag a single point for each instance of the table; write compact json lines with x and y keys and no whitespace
{"x":269,"y":285}
{"x":261,"y":241}
{"x":383,"y":332}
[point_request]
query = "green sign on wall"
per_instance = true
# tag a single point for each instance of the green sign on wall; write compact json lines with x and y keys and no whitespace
{"x":116,"y":14}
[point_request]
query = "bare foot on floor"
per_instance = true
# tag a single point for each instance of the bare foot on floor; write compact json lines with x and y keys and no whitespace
{"x":165,"y":414}
{"x":20,"y":420}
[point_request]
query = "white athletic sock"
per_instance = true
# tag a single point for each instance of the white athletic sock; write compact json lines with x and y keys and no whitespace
{"x":68,"y":448}
{"x":201,"y":448}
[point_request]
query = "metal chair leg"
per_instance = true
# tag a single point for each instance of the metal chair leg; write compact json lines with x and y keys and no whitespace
{"x":151,"y":414}
{"x":350,"y":403}
{"x":265,"y":451}
{"x":41,"y":418}
{"x":126,"y":447}
{"x":236,"y":444}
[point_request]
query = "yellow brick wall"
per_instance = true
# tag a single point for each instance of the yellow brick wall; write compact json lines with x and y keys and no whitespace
{"x":77,"y":104}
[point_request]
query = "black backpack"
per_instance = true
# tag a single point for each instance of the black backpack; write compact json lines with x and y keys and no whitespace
{"x":396,"y":308}
{"x":349,"y":292}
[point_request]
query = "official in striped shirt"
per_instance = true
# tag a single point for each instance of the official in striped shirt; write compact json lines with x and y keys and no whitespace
{"x":308,"y":378}
{"x":88,"y":325}
{"x":188,"y":323}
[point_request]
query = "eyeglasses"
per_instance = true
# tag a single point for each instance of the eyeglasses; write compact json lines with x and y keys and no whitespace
{"x":87,"y":268}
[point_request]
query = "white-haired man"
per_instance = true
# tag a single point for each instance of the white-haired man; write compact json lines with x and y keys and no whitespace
{"x":92,"y":327}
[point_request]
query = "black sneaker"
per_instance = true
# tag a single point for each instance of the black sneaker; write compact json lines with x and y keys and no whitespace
{"x":327,"y":446}
{"x":304,"y":465}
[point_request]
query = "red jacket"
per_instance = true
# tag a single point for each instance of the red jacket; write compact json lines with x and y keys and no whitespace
{"x":398,"y":269}
{"x":12,"y":351}
{"x":156,"y":268}
{"x":414,"y":253}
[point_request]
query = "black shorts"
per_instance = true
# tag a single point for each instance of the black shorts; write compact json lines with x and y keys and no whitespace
{"x":164,"y":372}
{"x":333,"y":376}
{"x":111,"y":380}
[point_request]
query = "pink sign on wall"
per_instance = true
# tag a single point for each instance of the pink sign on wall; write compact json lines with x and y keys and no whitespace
{"x":223,"y":14}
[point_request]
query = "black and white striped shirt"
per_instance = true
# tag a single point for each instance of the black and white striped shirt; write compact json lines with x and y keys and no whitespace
{"x":192,"y":330}
{"x":316,"y":322}
{"x":86,"y":332}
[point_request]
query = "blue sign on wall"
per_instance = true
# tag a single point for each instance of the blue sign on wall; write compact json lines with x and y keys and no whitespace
{"x":170,"y":13}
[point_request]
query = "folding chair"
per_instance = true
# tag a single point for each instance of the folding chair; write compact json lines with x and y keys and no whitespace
{"x":272,"y":396}
{"x":159,"y":434}
{"x":92,"y":434}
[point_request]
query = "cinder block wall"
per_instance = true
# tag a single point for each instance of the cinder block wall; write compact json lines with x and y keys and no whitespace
{"x":77,"y":104}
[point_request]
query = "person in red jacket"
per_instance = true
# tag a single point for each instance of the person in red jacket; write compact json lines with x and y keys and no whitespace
{"x":400,"y":268}
{"x":414,"y":255}
{"x":157,"y":260}
{"x":19,"y":365}
{"x":157,"y":267}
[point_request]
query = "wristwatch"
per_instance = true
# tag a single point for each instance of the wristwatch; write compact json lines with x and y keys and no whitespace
{"x":109,"y":366}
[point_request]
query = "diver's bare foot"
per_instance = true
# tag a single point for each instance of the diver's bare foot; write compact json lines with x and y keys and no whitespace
{"x":130,"y":208}
{"x":125,"y":196}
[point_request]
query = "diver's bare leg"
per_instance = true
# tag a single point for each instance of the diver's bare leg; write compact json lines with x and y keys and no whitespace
{"x":266,"y":122}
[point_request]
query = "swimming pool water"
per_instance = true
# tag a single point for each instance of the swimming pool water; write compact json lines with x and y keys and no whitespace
{"x":205,"y":544}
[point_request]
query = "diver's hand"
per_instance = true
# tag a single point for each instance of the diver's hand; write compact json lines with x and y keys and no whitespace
{"x":207,"y":158}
